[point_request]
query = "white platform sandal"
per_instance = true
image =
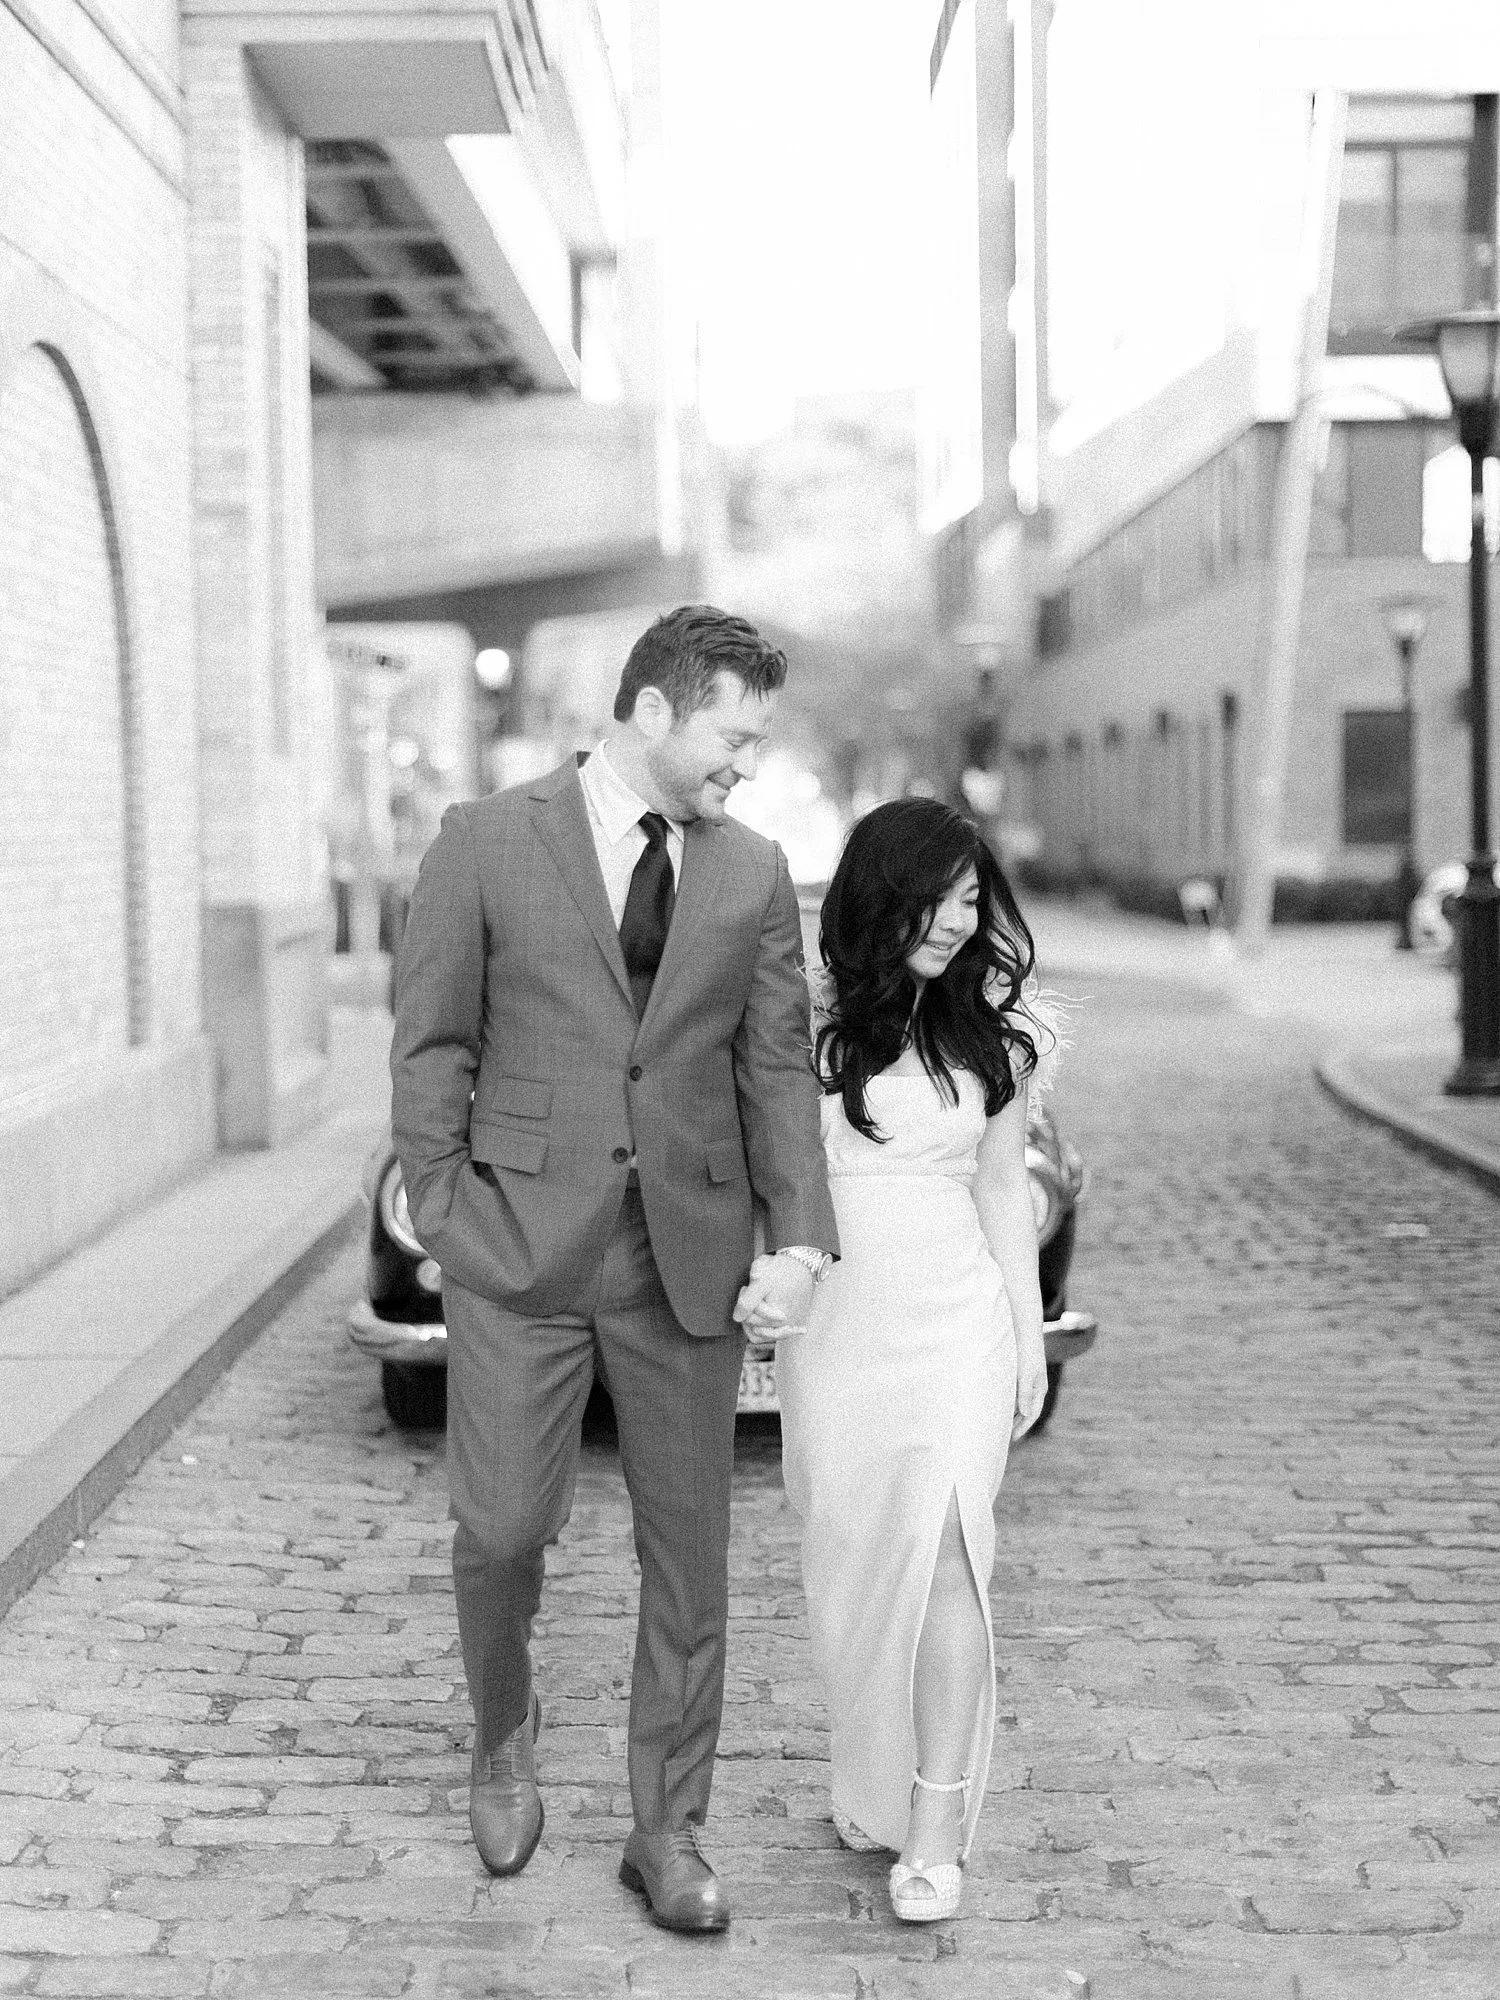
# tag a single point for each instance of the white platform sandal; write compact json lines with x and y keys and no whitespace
{"x":854,"y":1837}
{"x":926,"y":1893}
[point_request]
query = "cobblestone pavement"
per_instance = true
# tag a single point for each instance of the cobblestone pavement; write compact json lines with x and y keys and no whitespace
{"x":1248,"y":1613}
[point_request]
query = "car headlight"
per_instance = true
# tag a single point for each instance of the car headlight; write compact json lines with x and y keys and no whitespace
{"x":394,"y":1213}
{"x":1046,"y":1195}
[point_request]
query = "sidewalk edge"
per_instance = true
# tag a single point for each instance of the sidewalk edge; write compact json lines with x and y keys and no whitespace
{"x":51,"y":1497}
{"x":1338,"y":1077}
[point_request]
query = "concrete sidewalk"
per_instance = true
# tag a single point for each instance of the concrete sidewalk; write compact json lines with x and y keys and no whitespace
{"x":1383,"y":1022}
{"x":1401,"y":1087}
{"x":102,"y":1355}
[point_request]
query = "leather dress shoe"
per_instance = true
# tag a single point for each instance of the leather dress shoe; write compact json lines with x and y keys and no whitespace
{"x":505,"y":1807}
{"x":669,"y":1870}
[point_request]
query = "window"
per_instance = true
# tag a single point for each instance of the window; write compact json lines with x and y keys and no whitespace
{"x":1376,"y":790}
{"x":1054,"y":625}
{"x":1328,"y":533}
{"x":1431,"y":188}
{"x":1368,"y":496}
{"x":1385,"y":489}
{"x":1367,"y":200}
{"x":1402,"y":249}
{"x":1196,"y":534}
{"x":1233,"y":489}
{"x":1401,"y":237}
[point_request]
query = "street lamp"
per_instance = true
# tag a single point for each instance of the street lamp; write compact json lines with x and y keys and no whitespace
{"x":1468,"y":351}
{"x":1406,"y":622}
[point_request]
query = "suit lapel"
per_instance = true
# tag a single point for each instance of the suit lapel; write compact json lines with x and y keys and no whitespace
{"x":562,"y":821}
{"x":704,"y":852}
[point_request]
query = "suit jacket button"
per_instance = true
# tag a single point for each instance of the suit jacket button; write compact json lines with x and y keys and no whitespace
{"x":635,"y":1072}
{"x":620,"y":1155}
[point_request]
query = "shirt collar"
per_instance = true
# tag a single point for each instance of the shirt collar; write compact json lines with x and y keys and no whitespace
{"x":618,"y":806}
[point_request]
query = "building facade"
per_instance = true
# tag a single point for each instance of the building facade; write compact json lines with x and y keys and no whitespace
{"x":178,"y":183}
{"x":1164,"y":410}
{"x":107,"y":1074}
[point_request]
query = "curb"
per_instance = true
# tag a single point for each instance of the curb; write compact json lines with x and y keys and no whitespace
{"x":50,"y":1498}
{"x":1339,"y":1078}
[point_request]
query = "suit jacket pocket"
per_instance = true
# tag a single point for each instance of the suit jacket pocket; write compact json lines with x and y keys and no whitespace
{"x":519,"y":1097}
{"x":726,"y":1160}
{"x":494,"y":1145}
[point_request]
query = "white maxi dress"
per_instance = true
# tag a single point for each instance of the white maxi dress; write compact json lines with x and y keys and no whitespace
{"x":898,"y":1395}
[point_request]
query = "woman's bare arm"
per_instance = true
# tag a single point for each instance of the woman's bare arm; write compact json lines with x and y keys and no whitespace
{"x":1002,"y":1195}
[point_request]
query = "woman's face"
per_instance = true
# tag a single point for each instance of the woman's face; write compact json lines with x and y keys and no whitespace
{"x":952,"y":922}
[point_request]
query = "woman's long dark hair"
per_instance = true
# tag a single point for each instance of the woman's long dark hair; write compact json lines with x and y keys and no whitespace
{"x":898,"y":863}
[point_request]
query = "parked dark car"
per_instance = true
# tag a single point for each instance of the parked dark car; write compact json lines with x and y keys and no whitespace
{"x":400,"y":1319}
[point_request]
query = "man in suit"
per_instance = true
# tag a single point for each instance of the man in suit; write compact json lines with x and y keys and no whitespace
{"x":600,"y":1069}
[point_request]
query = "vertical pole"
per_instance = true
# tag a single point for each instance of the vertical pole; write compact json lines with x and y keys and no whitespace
{"x":1478,"y":1071}
{"x":1274,"y":685}
{"x":1407,"y":648}
{"x":369,"y":714}
{"x":1479,"y":218}
{"x":1479,"y":660}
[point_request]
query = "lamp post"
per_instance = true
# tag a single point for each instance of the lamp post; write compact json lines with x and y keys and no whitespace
{"x":1468,"y":351}
{"x":1406,"y":622}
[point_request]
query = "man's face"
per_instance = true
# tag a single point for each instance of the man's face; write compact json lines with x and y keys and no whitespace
{"x":696,"y":764}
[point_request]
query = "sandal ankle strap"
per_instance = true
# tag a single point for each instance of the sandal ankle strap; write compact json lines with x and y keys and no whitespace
{"x":927,"y":1785}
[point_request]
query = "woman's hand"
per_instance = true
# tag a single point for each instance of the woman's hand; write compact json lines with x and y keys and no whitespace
{"x":776,"y":1299}
{"x":1031,"y":1385}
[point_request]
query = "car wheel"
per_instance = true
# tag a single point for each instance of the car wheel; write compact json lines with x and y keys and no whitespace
{"x":416,"y":1398}
{"x":1049,"y":1401}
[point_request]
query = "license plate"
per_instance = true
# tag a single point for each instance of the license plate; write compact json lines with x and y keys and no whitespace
{"x":757,"y":1386}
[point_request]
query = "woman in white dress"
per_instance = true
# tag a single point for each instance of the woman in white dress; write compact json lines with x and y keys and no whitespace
{"x":923,"y":1353}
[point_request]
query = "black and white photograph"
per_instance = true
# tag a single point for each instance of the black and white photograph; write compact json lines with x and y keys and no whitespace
{"x":749,"y":999}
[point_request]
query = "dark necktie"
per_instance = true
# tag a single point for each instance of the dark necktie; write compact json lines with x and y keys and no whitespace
{"x":648,"y":910}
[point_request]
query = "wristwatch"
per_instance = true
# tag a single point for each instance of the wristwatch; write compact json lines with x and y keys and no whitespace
{"x":819,"y":1262}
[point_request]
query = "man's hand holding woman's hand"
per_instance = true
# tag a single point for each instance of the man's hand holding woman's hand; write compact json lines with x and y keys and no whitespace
{"x":777,"y":1298}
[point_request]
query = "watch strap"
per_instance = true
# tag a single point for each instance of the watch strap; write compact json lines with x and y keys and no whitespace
{"x":818,"y":1262}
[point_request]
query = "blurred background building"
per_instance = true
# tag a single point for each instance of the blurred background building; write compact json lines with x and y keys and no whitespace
{"x":276,"y":279}
{"x":1123,"y":206}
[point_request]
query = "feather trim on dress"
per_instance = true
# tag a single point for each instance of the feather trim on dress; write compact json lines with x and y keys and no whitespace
{"x":1046,"y":1016}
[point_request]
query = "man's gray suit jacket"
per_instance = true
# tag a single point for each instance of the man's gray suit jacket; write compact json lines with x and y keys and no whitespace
{"x":523,"y":1080}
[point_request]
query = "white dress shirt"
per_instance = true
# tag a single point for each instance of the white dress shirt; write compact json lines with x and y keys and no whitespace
{"x":619,"y":838}
{"x":615,"y":822}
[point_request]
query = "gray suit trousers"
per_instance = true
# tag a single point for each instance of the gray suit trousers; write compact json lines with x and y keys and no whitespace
{"x":516,"y":1392}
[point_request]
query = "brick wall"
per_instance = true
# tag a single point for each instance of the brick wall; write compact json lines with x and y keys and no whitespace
{"x":97,"y":681}
{"x":92,"y":225}
{"x":65,"y":978}
{"x":1146,"y":796}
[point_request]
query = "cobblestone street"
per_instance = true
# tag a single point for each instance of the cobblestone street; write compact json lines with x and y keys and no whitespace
{"x":1247,"y":1609}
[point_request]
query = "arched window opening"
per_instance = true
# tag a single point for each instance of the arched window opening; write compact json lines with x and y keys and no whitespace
{"x":137,"y":960}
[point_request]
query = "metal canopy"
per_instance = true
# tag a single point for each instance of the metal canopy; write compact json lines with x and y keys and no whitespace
{"x":384,"y":285}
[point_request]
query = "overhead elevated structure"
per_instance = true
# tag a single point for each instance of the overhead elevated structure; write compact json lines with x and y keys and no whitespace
{"x":398,"y":202}
{"x":464,"y":181}
{"x":386,"y":67}
{"x":434,"y":260}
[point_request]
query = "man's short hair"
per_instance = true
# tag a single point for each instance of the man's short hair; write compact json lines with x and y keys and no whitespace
{"x":684,"y":650}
